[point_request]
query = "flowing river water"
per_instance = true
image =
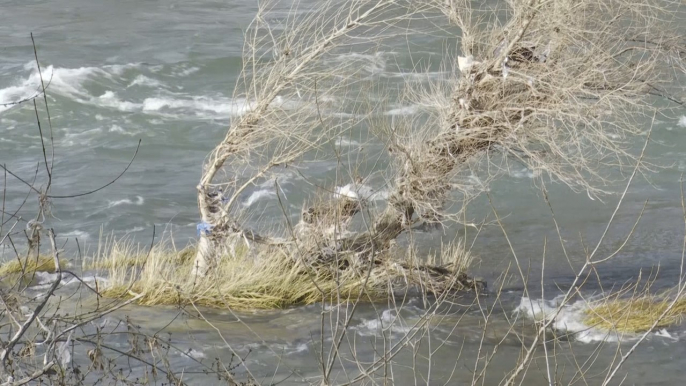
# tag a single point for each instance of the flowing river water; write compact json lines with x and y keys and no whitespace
{"x":163,"y":72}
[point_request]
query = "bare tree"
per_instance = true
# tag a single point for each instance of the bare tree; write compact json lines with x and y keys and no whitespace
{"x":563,"y":87}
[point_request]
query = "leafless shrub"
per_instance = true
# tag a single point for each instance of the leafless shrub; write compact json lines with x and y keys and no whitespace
{"x":546,"y":84}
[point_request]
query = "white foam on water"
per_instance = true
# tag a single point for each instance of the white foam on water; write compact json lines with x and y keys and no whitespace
{"x":120,"y":130}
{"x":68,"y":82}
{"x":186,"y":72}
{"x":144,"y":81}
{"x":8,"y":124}
{"x":364,"y":192}
{"x":346,"y":142}
{"x":373,"y":63}
{"x":224,"y":107}
{"x":429,"y":75}
{"x":139,"y":201}
{"x":302,"y":347}
{"x":74,"y":234}
{"x":345,"y":115}
{"x":381,"y":195}
{"x":13,"y":94}
{"x":266,"y":188}
{"x":88,"y":280}
{"x":45,"y":280}
{"x":663,"y":333}
{"x":682,"y":121}
{"x":45,"y":277}
{"x":293,"y":348}
{"x":524,"y":173}
{"x":155,"y":104}
{"x":387,"y":321}
{"x":110,"y":99}
{"x":156,"y":68}
{"x":569,"y":319}
{"x":116,"y":129}
{"x":196,"y":354}
{"x":118,"y":69}
{"x":283,"y":178}
{"x":403,"y":110}
{"x":82,"y":138}
{"x":259,"y":195}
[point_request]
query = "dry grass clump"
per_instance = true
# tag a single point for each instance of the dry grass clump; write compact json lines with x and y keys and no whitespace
{"x":120,"y":256}
{"x":272,"y":279}
{"x":41,"y":263}
{"x":636,"y":314}
{"x":124,"y":254}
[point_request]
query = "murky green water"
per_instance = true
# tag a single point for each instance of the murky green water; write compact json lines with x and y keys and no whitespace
{"x":163,"y":72}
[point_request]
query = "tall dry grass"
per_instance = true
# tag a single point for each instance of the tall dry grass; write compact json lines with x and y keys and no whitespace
{"x":270,"y":279}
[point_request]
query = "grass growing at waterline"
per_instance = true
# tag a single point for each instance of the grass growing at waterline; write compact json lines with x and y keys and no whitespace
{"x":248,"y":279}
{"x":41,"y":263}
{"x":126,"y":255}
{"x":636,"y":314}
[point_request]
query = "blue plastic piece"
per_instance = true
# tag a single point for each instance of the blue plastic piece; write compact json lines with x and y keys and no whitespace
{"x":204,"y":228}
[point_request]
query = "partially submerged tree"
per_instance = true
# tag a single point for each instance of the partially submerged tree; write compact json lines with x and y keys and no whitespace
{"x":560,"y":86}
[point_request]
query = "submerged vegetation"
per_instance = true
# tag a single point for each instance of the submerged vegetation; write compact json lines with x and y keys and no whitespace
{"x":273,"y":280}
{"x":30,"y":266}
{"x":636,"y":314}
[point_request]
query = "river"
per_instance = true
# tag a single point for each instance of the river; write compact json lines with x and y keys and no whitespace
{"x":163,"y":72}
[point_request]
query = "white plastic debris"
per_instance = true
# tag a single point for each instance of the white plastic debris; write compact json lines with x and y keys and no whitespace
{"x":543,"y":56}
{"x":63,"y":353}
{"x":506,"y":69}
{"x":465,"y":63}
{"x":501,"y":46}
{"x":463,"y":103}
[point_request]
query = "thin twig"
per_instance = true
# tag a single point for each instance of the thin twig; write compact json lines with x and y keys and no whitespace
{"x":10,"y":345}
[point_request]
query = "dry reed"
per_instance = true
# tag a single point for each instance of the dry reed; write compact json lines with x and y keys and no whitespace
{"x":273,"y":279}
{"x":41,"y":263}
{"x":636,"y":314}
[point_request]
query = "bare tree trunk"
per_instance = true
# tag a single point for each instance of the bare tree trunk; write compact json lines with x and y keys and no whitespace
{"x":292,"y":66}
{"x":202,"y":256}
